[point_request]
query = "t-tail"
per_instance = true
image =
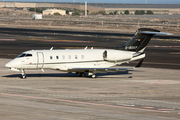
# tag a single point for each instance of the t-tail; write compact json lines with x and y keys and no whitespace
{"x":140,"y":40}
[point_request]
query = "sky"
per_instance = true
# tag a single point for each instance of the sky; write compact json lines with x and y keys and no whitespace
{"x":107,"y":1}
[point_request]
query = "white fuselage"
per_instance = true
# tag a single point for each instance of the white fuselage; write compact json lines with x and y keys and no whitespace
{"x":68,"y":59}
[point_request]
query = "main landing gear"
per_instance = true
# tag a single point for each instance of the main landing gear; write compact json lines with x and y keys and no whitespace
{"x":92,"y":75}
{"x":23,"y":75}
{"x":83,"y":74}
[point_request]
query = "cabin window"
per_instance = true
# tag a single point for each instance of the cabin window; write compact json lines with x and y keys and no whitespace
{"x":69,"y":56}
{"x":63,"y":57}
{"x":51,"y":57}
{"x":57,"y":57}
{"x":82,"y":56}
{"x":76,"y":57}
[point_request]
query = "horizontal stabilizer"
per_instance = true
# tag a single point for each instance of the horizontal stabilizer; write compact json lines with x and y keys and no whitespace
{"x":155,"y":33}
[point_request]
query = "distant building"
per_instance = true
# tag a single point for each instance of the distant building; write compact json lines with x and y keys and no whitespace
{"x":52,"y":11}
{"x":70,"y":13}
{"x":37,"y":16}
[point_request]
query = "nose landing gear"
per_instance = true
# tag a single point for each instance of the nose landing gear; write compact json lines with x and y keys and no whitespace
{"x":23,"y":75}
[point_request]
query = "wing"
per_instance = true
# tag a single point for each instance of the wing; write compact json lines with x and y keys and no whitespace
{"x":99,"y":70}
{"x":104,"y":70}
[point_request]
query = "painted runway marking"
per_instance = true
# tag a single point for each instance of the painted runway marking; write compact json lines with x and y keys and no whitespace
{"x":166,"y":109}
{"x":175,"y":53}
{"x":126,"y":105}
{"x":48,"y":40}
{"x":85,"y":103}
{"x":148,"y":107}
{"x":8,"y":39}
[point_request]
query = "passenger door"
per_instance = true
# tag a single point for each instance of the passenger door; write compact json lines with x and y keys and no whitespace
{"x":40,"y":60}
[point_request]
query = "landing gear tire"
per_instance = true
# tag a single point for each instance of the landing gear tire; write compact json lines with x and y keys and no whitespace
{"x":93,"y":76}
{"x":83,"y":74}
{"x":23,"y":76}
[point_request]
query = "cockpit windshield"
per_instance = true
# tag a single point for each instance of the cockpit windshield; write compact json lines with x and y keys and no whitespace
{"x":28,"y":55}
{"x":24,"y":55}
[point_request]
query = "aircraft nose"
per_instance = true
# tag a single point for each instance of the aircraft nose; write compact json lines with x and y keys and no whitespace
{"x":8,"y":65}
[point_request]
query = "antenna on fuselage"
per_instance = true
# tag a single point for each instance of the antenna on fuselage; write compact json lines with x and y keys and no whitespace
{"x":51,"y":48}
{"x":86,"y":47}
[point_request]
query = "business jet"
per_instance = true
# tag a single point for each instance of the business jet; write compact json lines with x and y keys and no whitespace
{"x":86,"y":61}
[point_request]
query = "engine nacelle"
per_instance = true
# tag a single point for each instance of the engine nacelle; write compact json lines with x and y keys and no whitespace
{"x":116,"y":56}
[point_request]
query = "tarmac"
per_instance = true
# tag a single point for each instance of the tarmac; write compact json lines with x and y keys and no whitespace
{"x":147,"y":93}
{"x":151,"y":94}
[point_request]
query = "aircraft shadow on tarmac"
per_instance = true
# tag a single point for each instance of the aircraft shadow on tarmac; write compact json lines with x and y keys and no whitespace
{"x":99,"y":75}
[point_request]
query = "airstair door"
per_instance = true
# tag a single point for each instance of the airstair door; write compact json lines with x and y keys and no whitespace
{"x":40,"y":60}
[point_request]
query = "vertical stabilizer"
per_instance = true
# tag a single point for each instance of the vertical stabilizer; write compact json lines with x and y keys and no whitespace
{"x":140,"y":40}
